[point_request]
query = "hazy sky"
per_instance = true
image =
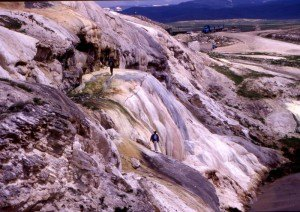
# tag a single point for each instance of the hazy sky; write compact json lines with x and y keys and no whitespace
{"x":138,"y":3}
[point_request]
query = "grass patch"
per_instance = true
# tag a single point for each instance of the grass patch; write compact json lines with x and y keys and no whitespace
{"x":95,"y":102}
{"x":255,"y":75}
{"x":243,"y":91}
{"x":94,"y":95}
{"x":96,"y":87}
{"x":291,"y":61}
{"x":237,"y":79}
{"x":258,"y":53}
{"x":101,"y":87}
{"x":293,"y":58}
{"x":90,"y":95}
{"x":216,"y":55}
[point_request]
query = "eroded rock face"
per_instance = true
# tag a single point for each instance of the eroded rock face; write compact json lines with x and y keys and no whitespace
{"x":53,"y":157}
{"x":79,"y":37}
{"x":187,"y":177}
{"x":137,"y":107}
{"x":56,"y":154}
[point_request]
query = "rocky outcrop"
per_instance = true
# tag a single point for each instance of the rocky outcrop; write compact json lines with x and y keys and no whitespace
{"x":187,"y":177}
{"x":136,"y":108}
{"x":53,"y":157}
{"x":74,"y":46}
{"x":57,"y":154}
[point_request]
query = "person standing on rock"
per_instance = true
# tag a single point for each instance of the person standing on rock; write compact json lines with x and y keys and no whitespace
{"x":111,"y":64}
{"x":155,"y":139}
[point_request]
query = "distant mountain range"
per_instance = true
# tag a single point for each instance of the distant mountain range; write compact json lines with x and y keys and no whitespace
{"x":221,"y":9}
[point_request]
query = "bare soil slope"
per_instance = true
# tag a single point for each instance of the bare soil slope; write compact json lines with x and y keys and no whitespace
{"x":251,"y":42}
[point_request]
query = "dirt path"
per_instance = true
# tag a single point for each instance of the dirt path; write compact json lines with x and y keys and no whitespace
{"x":290,"y":72}
{"x":251,"y":42}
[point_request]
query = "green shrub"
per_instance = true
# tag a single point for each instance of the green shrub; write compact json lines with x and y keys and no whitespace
{"x":255,"y":75}
{"x":237,"y":79}
{"x":254,"y":95}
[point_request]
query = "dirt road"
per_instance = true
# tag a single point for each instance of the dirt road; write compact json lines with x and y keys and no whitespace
{"x":251,"y":42}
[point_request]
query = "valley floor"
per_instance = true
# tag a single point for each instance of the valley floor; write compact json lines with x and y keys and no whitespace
{"x":251,"y":51}
{"x":251,"y":42}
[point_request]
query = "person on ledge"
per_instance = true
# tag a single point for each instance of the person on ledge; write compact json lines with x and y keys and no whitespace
{"x":155,"y":139}
{"x":111,"y":64}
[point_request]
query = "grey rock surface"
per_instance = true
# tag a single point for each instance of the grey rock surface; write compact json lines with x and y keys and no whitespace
{"x":53,"y":157}
{"x":186,"y":177}
{"x":135,"y":163}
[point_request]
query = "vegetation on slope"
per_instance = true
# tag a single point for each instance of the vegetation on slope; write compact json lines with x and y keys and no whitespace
{"x":239,"y":79}
{"x":291,"y":61}
{"x":291,"y":150}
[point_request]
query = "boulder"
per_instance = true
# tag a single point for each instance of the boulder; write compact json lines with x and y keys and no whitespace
{"x":135,"y":163}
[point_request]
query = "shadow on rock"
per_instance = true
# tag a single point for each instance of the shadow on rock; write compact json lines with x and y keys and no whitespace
{"x":185,"y":176}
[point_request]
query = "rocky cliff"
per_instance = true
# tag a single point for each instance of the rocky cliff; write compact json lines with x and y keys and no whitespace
{"x":70,"y":134}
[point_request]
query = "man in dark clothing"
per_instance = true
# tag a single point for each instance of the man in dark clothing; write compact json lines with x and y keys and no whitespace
{"x":111,"y":64}
{"x":155,"y":139}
